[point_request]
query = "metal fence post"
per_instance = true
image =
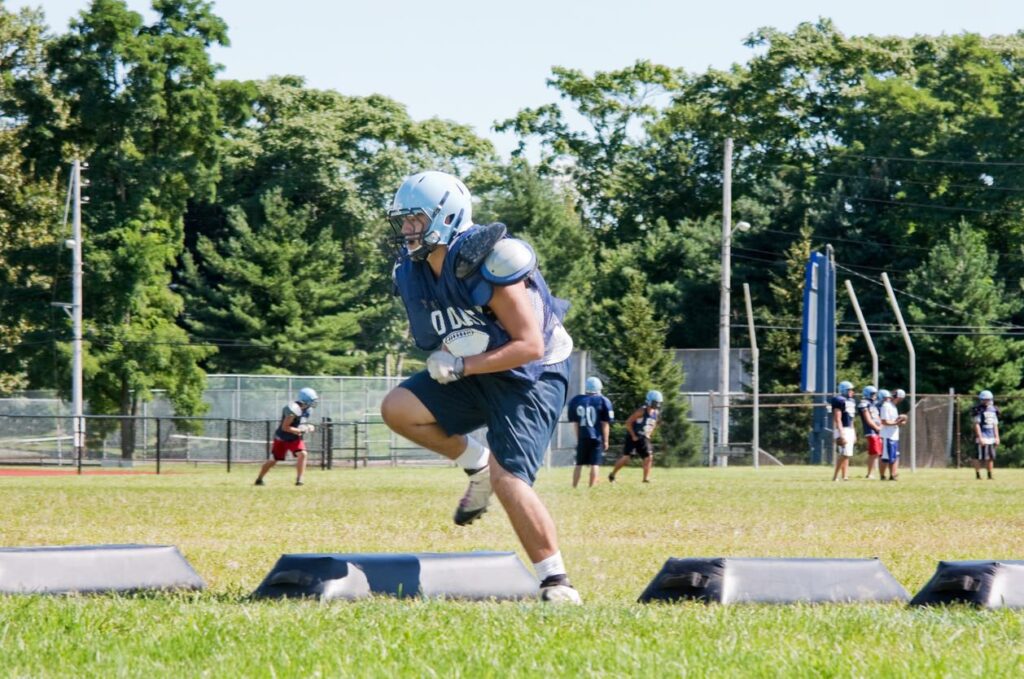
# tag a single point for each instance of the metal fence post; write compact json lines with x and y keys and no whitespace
{"x":355,"y":445}
{"x":229,"y":446}
{"x":329,"y":436}
{"x":158,"y":445}
{"x":323,"y":443}
{"x":268,"y":423}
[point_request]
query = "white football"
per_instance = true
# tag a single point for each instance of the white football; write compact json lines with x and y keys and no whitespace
{"x":466,"y":342}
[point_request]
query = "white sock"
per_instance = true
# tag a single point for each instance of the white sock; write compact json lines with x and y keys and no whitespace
{"x":550,"y":566}
{"x":475,"y":456}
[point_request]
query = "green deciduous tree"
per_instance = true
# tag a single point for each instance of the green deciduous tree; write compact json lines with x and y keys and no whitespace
{"x":537,"y":211}
{"x":141,"y":107}
{"x":338,"y":159}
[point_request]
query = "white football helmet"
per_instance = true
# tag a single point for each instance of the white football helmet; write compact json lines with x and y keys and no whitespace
{"x":428,"y":209}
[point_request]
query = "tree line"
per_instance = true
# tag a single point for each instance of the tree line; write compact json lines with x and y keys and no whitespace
{"x":236,"y":226}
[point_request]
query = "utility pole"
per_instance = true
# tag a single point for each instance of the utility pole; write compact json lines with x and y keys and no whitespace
{"x":755,"y":355}
{"x":724,"y":296}
{"x":76,"y":313}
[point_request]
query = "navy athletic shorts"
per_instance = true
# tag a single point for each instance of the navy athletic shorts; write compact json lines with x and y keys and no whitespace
{"x":520,"y":416}
{"x":589,"y":452}
{"x":640,"y":448}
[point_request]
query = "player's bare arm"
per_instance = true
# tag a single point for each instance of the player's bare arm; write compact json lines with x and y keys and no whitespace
{"x":511,"y":305}
{"x":286,"y":425}
{"x":637,"y":414}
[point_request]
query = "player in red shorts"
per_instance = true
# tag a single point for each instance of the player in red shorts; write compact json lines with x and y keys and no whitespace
{"x":288,"y":437}
{"x":869,"y":417}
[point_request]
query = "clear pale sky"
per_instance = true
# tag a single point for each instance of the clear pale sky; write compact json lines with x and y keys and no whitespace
{"x":478,"y":62}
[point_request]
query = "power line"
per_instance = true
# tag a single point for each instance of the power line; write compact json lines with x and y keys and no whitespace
{"x":893,"y":331}
{"x":924,"y":206}
{"x":940,"y":161}
{"x":861,"y":243}
{"x":888,"y":178}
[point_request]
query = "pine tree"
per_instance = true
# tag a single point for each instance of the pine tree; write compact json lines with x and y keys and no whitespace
{"x":275,"y":300}
{"x":958,"y":285}
{"x":634,"y":359}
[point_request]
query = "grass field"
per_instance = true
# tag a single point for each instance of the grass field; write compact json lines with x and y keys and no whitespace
{"x":614,"y":539}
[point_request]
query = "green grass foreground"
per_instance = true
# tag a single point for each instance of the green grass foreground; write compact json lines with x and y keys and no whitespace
{"x":614,"y":539}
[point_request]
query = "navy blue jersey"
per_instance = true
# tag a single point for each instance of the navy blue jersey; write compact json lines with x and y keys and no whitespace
{"x":453,"y":311}
{"x":645,"y":424}
{"x":847,"y":406}
{"x":589,"y":411}
{"x":988,"y":419}
{"x":300,"y":417}
{"x":868,"y":407}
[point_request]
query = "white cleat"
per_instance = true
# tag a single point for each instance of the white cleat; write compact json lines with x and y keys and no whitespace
{"x":474,"y":503}
{"x":560,"y":594}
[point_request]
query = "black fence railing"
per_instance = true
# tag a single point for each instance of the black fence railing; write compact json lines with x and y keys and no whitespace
{"x":130,"y":441}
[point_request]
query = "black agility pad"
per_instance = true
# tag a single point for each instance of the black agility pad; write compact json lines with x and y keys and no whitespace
{"x":989,"y":584}
{"x":474,"y":576}
{"x":94,"y":569}
{"x":775,"y":581}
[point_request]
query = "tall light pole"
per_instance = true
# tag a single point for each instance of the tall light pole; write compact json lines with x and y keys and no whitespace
{"x":725,"y":302}
{"x":76,"y":315}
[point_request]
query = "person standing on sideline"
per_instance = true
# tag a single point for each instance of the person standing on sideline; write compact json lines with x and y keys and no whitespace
{"x":592,"y":414}
{"x":499,"y":358}
{"x":986,"y":432}
{"x":288,"y":437}
{"x":891,"y":421}
{"x":843,"y":410}
{"x":640,"y":427}
{"x":868,"y":410}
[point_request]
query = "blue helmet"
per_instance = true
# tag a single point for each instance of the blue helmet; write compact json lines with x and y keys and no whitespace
{"x":845,"y":386}
{"x":428,"y":209}
{"x":986,"y":395}
{"x":883,"y":394}
{"x":869,"y":392}
{"x":593,"y":385}
{"x":308,"y":397}
{"x":654,"y":398}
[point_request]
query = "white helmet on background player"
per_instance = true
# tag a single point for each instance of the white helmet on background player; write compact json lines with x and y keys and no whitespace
{"x":442,"y":203}
{"x":654,"y":398}
{"x":593,"y":385}
{"x":307,"y":397}
{"x":986,"y":395}
{"x":899,"y":393}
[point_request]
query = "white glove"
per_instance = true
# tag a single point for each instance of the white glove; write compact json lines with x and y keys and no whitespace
{"x":306,"y":428}
{"x":444,"y":367}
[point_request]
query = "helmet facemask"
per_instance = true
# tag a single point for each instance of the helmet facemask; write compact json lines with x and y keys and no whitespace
{"x":418,"y":232}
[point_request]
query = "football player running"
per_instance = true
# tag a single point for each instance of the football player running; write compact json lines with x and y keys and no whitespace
{"x":477,"y":301}
{"x":288,"y":437}
{"x":640,"y":428}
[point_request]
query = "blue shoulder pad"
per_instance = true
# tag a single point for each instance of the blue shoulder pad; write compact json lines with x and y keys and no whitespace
{"x":475,"y":245}
{"x":510,"y":261}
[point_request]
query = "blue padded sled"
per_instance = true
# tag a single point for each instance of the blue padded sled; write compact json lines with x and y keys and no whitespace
{"x":774,"y":581}
{"x":473,"y":576}
{"x":988,"y":584}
